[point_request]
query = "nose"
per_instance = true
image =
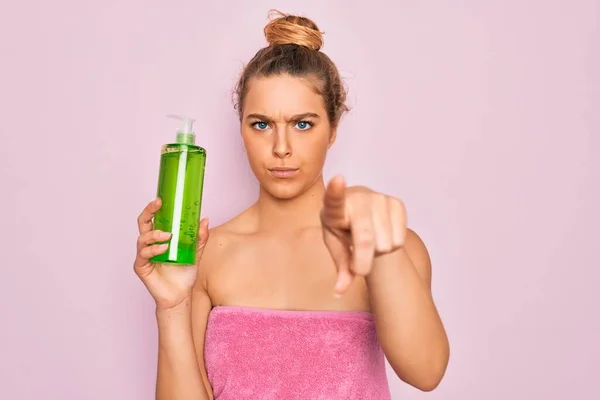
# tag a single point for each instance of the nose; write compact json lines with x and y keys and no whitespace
{"x":281,"y":145}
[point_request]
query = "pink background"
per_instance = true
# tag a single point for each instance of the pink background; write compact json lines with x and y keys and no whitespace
{"x":483,"y":116}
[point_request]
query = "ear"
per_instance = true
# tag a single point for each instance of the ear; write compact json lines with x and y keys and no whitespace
{"x":332,"y":137}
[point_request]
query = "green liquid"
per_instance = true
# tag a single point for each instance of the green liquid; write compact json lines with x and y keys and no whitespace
{"x":180,"y":183}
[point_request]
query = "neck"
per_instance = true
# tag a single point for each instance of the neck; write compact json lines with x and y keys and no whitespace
{"x":293,"y":214}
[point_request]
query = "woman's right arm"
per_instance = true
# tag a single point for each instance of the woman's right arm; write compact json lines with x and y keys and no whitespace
{"x":181,"y":373}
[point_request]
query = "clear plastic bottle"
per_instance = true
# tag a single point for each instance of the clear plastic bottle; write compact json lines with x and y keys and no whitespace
{"x":180,"y":184}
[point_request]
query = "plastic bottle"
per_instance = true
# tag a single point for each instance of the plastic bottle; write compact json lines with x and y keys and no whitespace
{"x":180,"y":184}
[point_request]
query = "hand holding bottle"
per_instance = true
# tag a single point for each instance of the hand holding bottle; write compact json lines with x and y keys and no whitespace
{"x":169,"y":285}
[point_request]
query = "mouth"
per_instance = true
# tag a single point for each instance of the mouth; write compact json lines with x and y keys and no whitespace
{"x":283,"y":172}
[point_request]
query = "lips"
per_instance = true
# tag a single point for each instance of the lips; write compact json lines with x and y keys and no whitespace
{"x":283,"y":172}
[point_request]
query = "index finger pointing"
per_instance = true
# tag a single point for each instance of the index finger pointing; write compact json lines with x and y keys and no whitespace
{"x":145,"y":218}
{"x":334,"y":202}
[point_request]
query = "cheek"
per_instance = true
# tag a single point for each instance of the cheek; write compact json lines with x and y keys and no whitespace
{"x":318,"y":155}
{"x":256,"y":151}
{"x":251,"y":145}
{"x":320,"y":146}
{"x":314,"y":152}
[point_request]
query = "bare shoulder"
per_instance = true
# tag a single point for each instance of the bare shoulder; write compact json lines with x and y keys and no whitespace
{"x":223,"y":237}
{"x":415,"y":246}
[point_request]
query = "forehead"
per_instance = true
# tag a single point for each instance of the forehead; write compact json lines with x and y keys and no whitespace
{"x":282,"y":94}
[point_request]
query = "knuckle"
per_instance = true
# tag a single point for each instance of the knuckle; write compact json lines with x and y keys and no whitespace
{"x":143,"y":254}
{"x":385,"y":247}
{"x":157,"y":249}
{"x":399,"y":203}
{"x":366,"y":239}
{"x":363,"y":197}
{"x":365,"y":242}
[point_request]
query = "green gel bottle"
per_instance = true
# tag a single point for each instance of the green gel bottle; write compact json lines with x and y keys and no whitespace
{"x":180,"y":183}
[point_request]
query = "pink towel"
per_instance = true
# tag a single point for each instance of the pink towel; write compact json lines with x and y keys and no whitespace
{"x":262,"y":354}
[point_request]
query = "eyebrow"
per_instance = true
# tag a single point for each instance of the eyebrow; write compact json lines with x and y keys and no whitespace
{"x":296,"y":117}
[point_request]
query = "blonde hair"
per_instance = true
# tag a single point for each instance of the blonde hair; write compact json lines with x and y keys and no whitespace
{"x":294,"y":49}
{"x":293,"y":29}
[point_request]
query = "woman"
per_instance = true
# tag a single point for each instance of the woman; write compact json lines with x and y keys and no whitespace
{"x":304,"y":293}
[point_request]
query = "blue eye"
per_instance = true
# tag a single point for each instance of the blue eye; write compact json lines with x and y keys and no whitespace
{"x":261,"y":126}
{"x":303,"y":125}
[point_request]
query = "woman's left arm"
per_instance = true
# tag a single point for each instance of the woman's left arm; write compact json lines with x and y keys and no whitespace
{"x":367,"y":235}
{"x":409,"y":327}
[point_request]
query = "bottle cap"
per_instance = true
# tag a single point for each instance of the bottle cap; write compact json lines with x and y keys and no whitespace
{"x":185,"y":135}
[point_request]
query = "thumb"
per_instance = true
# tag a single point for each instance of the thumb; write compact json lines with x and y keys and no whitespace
{"x":202,"y":237}
{"x":344,"y":280}
{"x":334,"y":210}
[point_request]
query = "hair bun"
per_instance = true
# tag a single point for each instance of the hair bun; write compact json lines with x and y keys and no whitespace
{"x":293,"y":29}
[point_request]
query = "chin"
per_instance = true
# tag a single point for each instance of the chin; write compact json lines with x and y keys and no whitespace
{"x":283,"y":191}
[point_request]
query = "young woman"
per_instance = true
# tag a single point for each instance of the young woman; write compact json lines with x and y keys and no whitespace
{"x":303,"y":294}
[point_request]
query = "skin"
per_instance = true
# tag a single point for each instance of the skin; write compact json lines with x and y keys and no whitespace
{"x":338,"y":248}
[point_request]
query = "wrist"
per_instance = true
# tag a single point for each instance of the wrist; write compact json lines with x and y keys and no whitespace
{"x":174,"y":326}
{"x":389,"y":267}
{"x":182,"y":309}
{"x":379,"y":271}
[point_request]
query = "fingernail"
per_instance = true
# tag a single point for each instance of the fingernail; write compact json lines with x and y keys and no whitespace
{"x":163,"y":246}
{"x":337,"y":295}
{"x":166,"y":234}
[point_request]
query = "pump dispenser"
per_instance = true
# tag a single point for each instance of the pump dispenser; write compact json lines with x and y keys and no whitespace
{"x":185,"y":135}
{"x":180,"y":184}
